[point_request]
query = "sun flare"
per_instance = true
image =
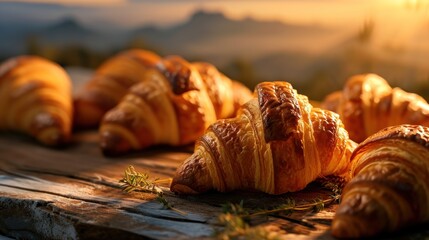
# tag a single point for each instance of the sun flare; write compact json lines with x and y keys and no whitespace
{"x":410,"y":4}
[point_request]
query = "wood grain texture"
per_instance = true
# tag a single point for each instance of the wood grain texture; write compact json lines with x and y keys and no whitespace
{"x":74,"y":193}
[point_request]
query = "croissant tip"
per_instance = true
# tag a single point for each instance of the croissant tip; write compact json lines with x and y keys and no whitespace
{"x":341,"y":228}
{"x":184,"y":185}
{"x":112,"y":152}
{"x":113,"y":144}
{"x":182,"y":189}
{"x":192,"y":177}
{"x":54,"y":139}
{"x":347,"y":226}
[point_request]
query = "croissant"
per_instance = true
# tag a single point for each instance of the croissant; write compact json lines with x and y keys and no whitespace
{"x":389,"y":189}
{"x":227,"y":96}
{"x":110,"y":83}
{"x":35,"y":99}
{"x":368,"y":104}
{"x":173,"y":106}
{"x":278,"y":143}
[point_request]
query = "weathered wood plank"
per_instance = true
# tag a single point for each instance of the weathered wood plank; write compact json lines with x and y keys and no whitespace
{"x":74,"y":193}
{"x":40,"y":206}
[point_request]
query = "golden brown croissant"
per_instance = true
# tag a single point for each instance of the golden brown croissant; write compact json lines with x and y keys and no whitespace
{"x":173,"y":106}
{"x":110,"y":83}
{"x":389,"y":189}
{"x":35,"y":98}
{"x":278,"y":143}
{"x":227,"y":96}
{"x":368,"y":104}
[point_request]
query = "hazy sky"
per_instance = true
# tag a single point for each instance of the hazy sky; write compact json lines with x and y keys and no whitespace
{"x":164,"y":12}
{"x":396,"y":20}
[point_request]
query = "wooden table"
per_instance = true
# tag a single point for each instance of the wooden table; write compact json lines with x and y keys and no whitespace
{"x":74,"y":193}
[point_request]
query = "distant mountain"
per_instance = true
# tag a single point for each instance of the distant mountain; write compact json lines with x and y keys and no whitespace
{"x":210,"y":34}
{"x":68,"y":32}
{"x":51,"y":24}
{"x":206,"y":35}
{"x":209,"y":25}
{"x":67,"y":26}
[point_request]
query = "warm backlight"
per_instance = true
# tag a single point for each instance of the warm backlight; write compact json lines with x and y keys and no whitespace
{"x":412,"y":4}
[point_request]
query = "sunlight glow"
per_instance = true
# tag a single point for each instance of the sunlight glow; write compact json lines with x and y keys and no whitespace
{"x":409,"y":4}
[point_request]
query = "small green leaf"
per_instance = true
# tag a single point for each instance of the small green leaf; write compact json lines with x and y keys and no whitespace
{"x":137,"y":181}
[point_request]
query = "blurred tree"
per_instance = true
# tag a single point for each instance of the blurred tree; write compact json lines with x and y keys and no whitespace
{"x":366,"y":33}
{"x":32,"y":45}
{"x":241,"y":70}
{"x":139,"y":42}
{"x":69,"y":55}
{"x":318,"y":86}
{"x":35,"y":47}
{"x":80,"y":56}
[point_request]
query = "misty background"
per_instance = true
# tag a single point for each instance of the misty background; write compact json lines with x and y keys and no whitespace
{"x":316,"y":54}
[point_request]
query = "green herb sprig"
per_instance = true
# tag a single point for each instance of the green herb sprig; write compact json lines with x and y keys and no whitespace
{"x":139,"y":181}
{"x":236,"y":217}
{"x":237,"y":228}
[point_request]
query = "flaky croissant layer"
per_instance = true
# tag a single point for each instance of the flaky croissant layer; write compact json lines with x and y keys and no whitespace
{"x":175,"y":103}
{"x":278,"y":143}
{"x":110,"y":83}
{"x":368,"y":104}
{"x":389,"y":187}
{"x":35,"y":98}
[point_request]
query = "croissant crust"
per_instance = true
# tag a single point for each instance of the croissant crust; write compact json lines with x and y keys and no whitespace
{"x":368,"y":104}
{"x":389,"y":187}
{"x":173,"y":106}
{"x":35,"y":99}
{"x":278,"y":143}
{"x":110,"y":83}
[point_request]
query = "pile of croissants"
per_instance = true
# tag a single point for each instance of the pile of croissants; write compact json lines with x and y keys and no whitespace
{"x":274,"y":141}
